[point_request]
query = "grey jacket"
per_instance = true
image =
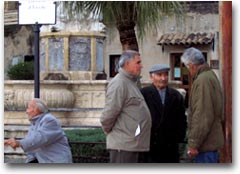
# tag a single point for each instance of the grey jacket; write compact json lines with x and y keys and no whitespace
{"x":126,"y":119}
{"x":46,"y":141}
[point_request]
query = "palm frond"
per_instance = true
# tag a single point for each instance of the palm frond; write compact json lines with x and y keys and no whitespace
{"x":146,"y":15}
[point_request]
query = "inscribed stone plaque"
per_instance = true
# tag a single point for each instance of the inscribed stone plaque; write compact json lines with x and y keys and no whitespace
{"x":56,"y":54}
{"x":99,"y":53}
{"x":42,"y":57}
{"x":80,"y":54}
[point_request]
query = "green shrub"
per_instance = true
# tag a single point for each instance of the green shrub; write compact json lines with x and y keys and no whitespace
{"x":88,"y":145}
{"x":86,"y":135}
{"x":22,"y":71}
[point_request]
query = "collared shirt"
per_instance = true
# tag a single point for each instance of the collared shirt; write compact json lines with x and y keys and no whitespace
{"x":46,"y":141}
{"x":162,"y":93}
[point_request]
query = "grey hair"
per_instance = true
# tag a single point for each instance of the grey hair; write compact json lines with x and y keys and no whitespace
{"x":126,"y":56}
{"x":193,"y":55}
{"x":40,"y":104}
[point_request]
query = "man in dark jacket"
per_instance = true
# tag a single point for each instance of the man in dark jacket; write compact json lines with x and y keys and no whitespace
{"x":168,"y":117}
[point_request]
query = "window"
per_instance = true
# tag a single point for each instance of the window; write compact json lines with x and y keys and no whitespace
{"x":28,"y":58}
{"x":114,"y":59}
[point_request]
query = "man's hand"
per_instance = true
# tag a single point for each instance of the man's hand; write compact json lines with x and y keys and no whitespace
{"x":192,"y":152}
{"x":13,"y":143}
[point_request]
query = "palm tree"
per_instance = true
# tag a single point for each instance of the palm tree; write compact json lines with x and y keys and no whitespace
{"x":126,"y":15}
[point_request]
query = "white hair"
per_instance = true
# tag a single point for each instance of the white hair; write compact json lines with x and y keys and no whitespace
{"x":40,"y":104}
{"x":193,"y":55}
{"x":126,"y":56}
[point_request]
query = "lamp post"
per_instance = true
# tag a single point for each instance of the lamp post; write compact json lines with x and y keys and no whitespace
{"x":36,"y":29}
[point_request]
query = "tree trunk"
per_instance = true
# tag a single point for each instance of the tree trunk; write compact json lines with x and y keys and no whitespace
{"x":127,"y":34}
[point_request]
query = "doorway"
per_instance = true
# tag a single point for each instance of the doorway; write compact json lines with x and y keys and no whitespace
{"x":179,"y":72}
{"x":113,"y":68}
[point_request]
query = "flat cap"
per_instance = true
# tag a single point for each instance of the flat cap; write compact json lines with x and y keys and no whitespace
{"x":159,"y":68}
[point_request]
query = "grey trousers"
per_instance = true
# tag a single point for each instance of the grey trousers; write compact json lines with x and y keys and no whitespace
{"x":120,"y":156}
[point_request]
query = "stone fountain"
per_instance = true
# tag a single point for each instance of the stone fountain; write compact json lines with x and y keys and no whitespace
{"x":72,"y":80}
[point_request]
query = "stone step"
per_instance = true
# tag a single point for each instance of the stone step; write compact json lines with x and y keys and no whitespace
{"x":20,"y":131}
{"x":15,"y":131}
{"x":14,"y":158}
{"x":8,"y":149}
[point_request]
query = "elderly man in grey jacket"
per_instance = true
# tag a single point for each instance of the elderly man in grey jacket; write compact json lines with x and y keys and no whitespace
{"x":45,"y":142}
{"x":126,"y":119}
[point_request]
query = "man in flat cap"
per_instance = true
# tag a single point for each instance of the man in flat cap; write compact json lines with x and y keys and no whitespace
{"x":168,"y":117}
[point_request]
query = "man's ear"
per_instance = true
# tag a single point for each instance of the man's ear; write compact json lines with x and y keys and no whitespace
{"x":38,"y":110}
{"x":126,"y":65}
{"x":127,"y":62}
{"x":191,"y":64}
{"x":151,"y":76}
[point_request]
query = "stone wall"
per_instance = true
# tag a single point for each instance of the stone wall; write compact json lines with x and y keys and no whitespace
{"x":74,"y":103}
{"x":18,"y":42}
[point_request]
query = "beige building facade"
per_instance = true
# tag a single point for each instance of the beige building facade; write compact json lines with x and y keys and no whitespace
{"x":198,"y":29}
